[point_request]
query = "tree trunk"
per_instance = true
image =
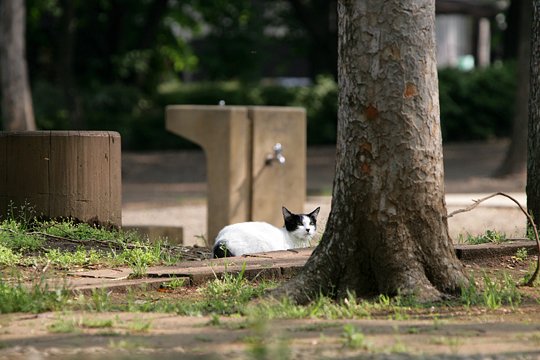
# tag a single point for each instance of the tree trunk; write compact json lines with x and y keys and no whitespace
{"x":318,"y":18}
{"x":17,"y":111}
{"x":65,"y":47}
{"x":533,"y":158}
{"x":515,"y":161}
{"x":387,"y":230}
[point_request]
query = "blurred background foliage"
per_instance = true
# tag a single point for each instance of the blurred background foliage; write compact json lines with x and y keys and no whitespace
{"x":116,"y":64}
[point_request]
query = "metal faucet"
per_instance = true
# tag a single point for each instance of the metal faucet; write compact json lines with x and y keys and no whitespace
{"x":277,"y":155}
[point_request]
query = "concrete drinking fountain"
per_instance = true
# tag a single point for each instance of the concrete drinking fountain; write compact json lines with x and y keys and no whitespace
{"x":255,"y":158}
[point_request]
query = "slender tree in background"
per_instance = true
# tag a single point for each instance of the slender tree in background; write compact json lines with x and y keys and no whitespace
{"x":387,"y":231}
{"x":17,"y":111}
{"x":533,"y":157}
{"x":516,"y":155}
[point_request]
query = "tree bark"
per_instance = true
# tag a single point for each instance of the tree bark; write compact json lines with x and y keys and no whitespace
{"x":17,"y":110}
{"x":533,"y":157}
{"x":515,"y":161}
{"x":387,"y":230}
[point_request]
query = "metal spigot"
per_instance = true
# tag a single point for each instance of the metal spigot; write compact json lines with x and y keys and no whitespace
{"x":277,"y":155}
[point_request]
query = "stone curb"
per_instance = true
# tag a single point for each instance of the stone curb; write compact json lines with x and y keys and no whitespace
{"x":272,"y":265}
{"x":484,"y":251}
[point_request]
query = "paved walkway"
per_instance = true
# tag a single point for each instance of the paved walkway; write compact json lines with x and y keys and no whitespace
{"x":169,"y":189}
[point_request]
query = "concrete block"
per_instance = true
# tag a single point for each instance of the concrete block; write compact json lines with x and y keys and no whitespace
{"x":62,"y":174}
{"x":275,"y":185}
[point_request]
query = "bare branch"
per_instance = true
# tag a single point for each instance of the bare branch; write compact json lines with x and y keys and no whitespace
{"x":531,"y":281}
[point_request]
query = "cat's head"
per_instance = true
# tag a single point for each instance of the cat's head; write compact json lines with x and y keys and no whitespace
{"x":301,"y":226}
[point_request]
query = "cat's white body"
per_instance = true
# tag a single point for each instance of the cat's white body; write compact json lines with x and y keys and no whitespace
{"x":253,"y":237}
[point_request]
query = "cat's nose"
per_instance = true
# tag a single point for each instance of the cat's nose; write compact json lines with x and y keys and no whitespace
{"x":308,"y":230}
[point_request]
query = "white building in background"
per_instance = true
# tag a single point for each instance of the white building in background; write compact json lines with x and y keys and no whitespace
{"x":463,"y":31}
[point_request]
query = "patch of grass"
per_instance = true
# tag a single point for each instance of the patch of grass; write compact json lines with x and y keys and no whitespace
{"x":262,"y":343}
{"x":490,"y":236}
{"x":8,"y":257}
{"x":14,"y":236}
{"x":82,"y":231}
{"x":100,"y":300}
{"x":63,"y":326}
{"x":175,"y":283}
{"x":97,"y":323}
{"x":322,"y":307}
{"x":231,"y":293}
{"x":66,"y":259}
{"x":496,"y":294}
{"x":354,"y":338}
{"x":349,"y":308}
{"x":521,"y":255}
{"x":399,"y":347}
{"x":125,"y":344}
{"x":493,"y":294}
{"x":32,"y":242}
{"x":140,"y":325}
{"x":140,"y":258}
{"x":214,"y":320}
{"x":34,"y":299}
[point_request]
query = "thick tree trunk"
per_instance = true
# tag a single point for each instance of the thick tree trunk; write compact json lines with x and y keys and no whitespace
{"x":387,"y":230}
{"x":17,"y":111}
{"x":515,"y":161}
{"x":533,"y":158}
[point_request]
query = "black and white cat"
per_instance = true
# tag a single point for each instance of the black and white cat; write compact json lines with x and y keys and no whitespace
{"x":253,"y":237}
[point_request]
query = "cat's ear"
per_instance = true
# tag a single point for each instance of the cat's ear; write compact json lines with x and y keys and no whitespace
{"x":314,"y":213}
{"x":286,"y":213}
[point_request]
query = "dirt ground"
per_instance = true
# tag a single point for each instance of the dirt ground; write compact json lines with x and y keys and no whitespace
{"x":442,"y":332}
{"x":470,"y":335}
{"x":169,"y":189}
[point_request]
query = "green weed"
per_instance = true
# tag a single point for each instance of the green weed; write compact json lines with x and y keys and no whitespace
{"x":321,"y":307}
{"x":82,"y":231}
{"x":231,"y":293}
{"x":63,"y":326}
{"x":23,"y":243}
{"x":8,"y":257}
{"x":14,"y":236}
{"x":490,"y":236}
{"x":262,"y":343}
{"x":354,"y":339}
{"x":99,"y":301}
{"x":175,"y":283}
{"x":469,"y":293}
{"x":97,"y":323}
{"x":140,"y":325}
{"x":493,"y":294}
{"x":34,"y":299}
{"x":139,"y":259}
{"x":66,"y":259}
{"x":521,"y":255}
{"x":399,"y":348}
